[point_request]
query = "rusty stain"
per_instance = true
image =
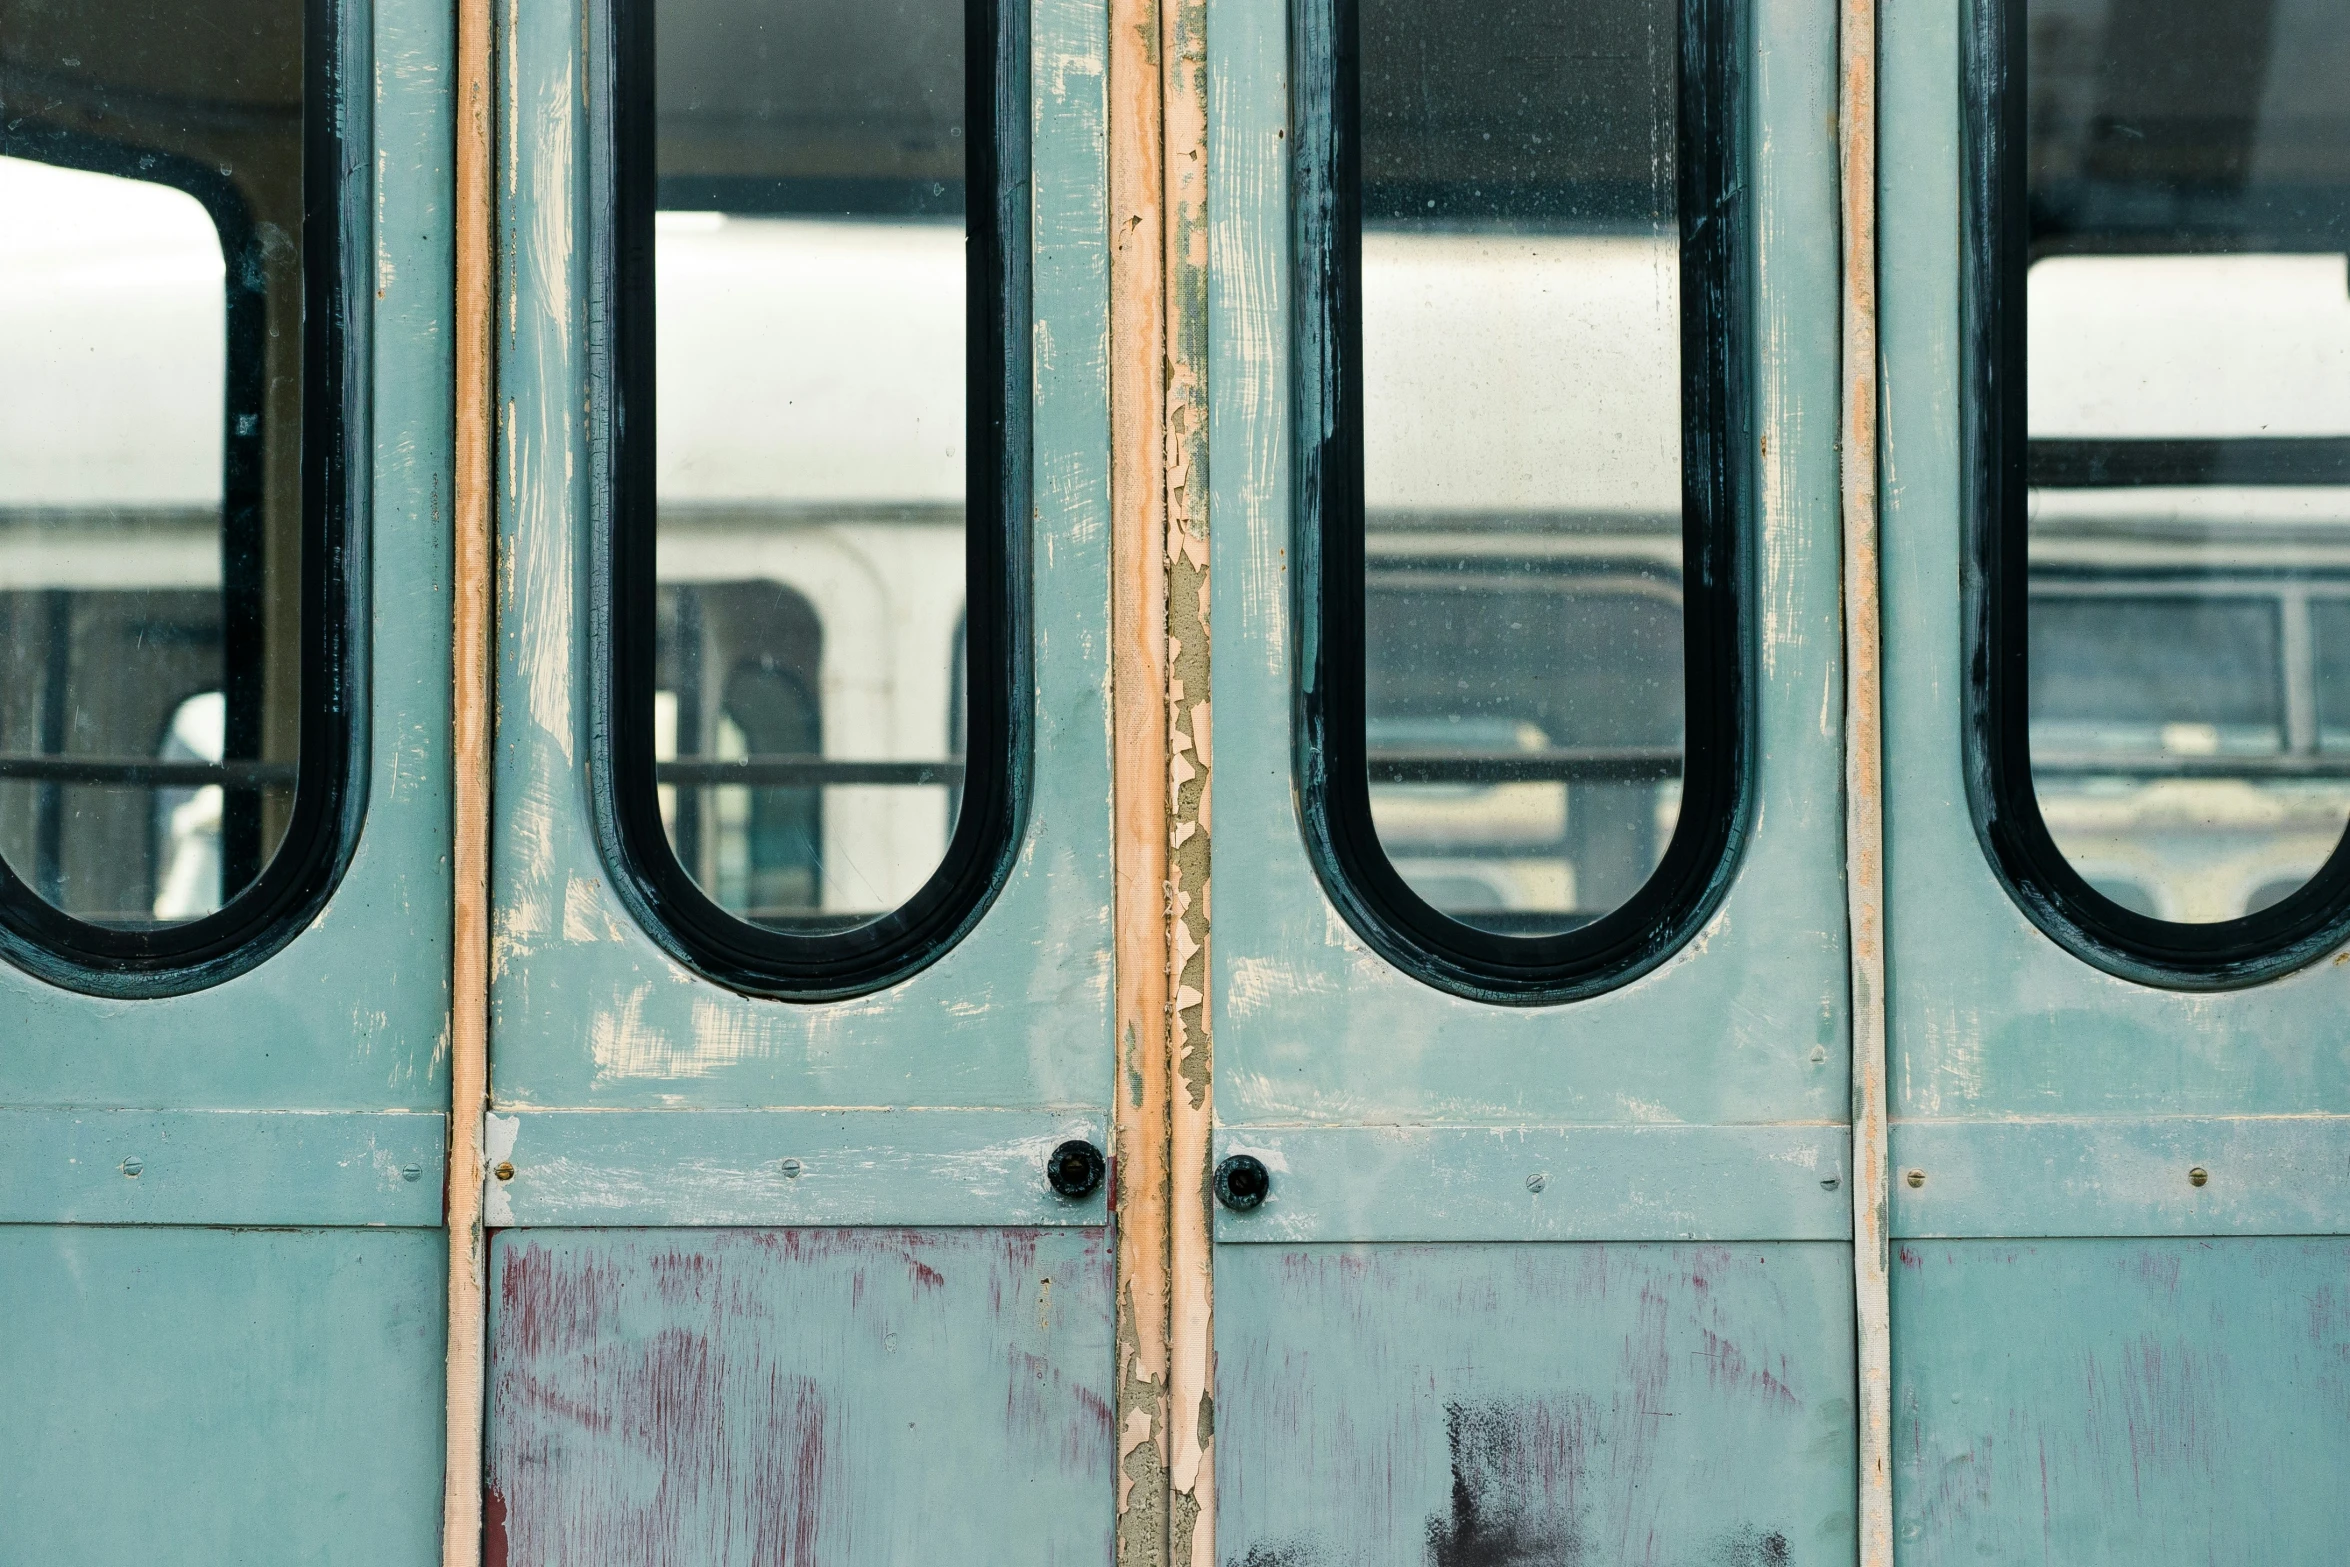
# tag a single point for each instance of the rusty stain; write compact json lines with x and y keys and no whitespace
{"x":468,"y":1531}
{"x":1864,"y":774}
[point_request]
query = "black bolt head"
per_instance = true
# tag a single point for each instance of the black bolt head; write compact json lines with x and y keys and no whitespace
{"x":1242,"y":1182}
{"x":1075,"y":1169}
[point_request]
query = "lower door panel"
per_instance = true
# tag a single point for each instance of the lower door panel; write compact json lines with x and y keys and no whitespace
{"x":205,"y":1395}
{"x":835,"y":1396}
{"x":1557,"y":1402}
{"x":2121,"y":1401}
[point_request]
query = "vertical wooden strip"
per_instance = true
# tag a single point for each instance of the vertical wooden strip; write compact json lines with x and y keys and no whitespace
{"x":1139,"y":718}
{"x":1191,"y":1351}
{"x":1864,"y":774}
{"x":470,"y":745}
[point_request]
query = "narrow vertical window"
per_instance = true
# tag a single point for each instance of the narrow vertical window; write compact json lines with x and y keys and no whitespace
{"x":176,"y":656}
{"x":816,"y":300}
{"x":2159,"y":311}
{"x":1521,"y":414}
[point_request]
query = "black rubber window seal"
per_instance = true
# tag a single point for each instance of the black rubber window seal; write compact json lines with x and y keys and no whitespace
{"x":664,"y":898}
{"x":1333,"y":789}
{"x":330,"y":794}
{"x":2001,"y":464}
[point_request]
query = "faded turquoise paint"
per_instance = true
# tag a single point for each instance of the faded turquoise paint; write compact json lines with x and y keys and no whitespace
{"x":1545,"y":1183}
{"x":214,"y":1397}
{"x":1988,"y":1017}
{"x":2085,"y":1400}
{"x":1579,"y":1401}
{"x":2121,"y":1401}
{"x":353,"y":1013}
{"x":243,"y":1167}
{"x":587,"y":1011}
{"x":711,"y":1167}
{"x":2116,"y":1175}
{"x":1311,"y":1025}
{"x":1488,"y":1404}
{"x":722,"y":1397}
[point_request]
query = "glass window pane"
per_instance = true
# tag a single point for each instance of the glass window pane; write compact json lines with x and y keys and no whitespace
{"x":2187,"y":373}
{"x":154,"y":340}
{"x":812,"y":351}
{"x":1522,"y":438}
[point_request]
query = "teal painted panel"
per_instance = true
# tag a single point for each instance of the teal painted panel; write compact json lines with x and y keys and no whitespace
{"x":735,"y":1167}
{"x":1987,"y":1015}
{"x":1588,"y":1404}
{"x":2121,"y":1401}
{"x":587,"y":1011}
{"x":246,"y":1167}
{"x":843,"y":1397}
{"x":2263,"y":1175}
{"x":220,"y":1398}
{"x":1747,"y":1023}
{"x":353,"y":1013}
{"x":1548,"y":1183}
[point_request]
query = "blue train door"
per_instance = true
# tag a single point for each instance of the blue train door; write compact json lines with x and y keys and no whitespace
{"x":801,"y":986}
{"x":2117,"y":355}
{"x":225,"y":468}
{"x":1529,"y":991}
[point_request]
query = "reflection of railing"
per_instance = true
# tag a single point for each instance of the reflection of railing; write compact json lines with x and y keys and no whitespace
{"x":1555,"y":764}
{"x":2118,"y":464}
{"x":138,"y":772}
{"x":2165,"y":764}
{"x":801,"y":772}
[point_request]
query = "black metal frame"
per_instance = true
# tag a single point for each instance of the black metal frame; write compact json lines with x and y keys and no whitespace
{"x":283,"y":896}
{"x":1332,"y":765}
{"x":2002,"y":464}
{"x":828,"y":965}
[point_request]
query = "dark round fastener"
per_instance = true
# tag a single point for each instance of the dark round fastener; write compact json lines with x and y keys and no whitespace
{"x":1075,"y":1169}
{"x":1242,"y":1182}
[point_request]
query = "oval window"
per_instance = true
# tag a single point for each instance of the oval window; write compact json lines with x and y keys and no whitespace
{"x":2159,"y":313}
{"x":175,"y":738}
{"x":1521,"y":424}
{"x":818,"y":425}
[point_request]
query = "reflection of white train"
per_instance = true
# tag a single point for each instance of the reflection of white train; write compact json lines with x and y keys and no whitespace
{"x":1523,"y":557}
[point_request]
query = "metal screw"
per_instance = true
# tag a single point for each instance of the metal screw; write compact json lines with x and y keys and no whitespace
{"x":504,"y":1171}
{"x":1819,"y":1055}
{"x":2197,"y":1176}
{"x":132,"y":1166}
{"x":1537,"y":1181}
{"x":1829,"y":1183}
{"x":791,"y":1169}
{"x":412,"y":1172}
{"x":1917,"y":1178}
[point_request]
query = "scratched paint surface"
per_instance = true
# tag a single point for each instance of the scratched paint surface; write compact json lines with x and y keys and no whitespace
{"x":702,"y":1398}
{"x":1989,"y":1016}
{"x":282,"y":1034}
{"x":586,"y":1008}
{"x":2121,"y":1401}
{"x":220,"y":1398}
{"x":1475,"y":1406}
{"x":1747,"y":1023}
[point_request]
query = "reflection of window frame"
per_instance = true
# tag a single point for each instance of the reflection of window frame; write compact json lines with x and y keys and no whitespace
{"x":2002,"y":465}
{"x":282,"y":896}
{"x":1330,"y":524}
{"x":666,"y":899}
